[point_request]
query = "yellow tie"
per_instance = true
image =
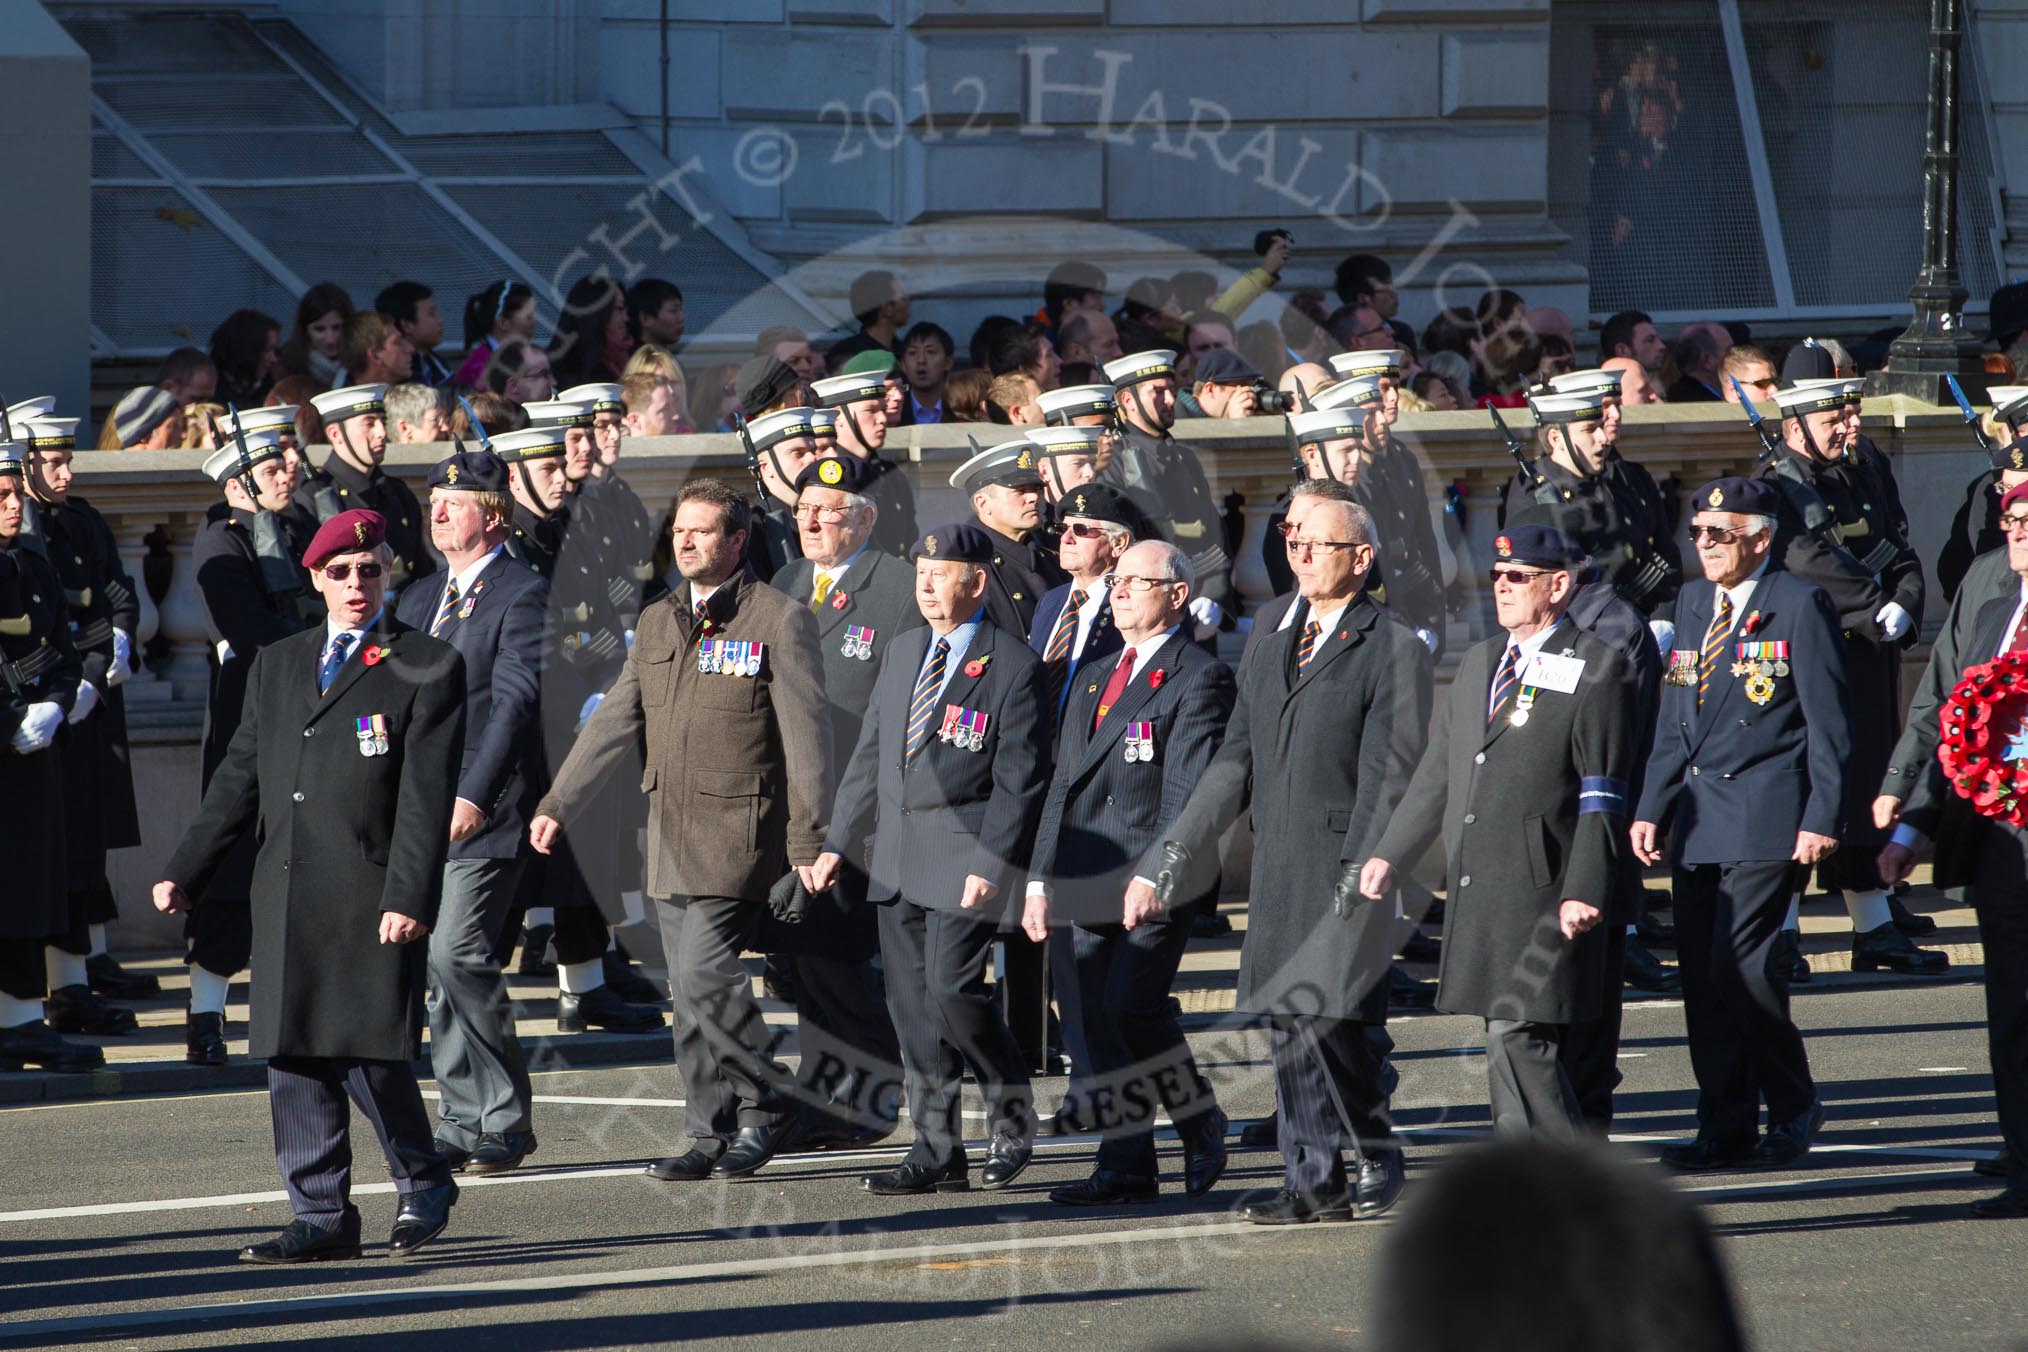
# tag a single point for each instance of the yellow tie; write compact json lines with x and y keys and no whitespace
{"x":823,"y":590}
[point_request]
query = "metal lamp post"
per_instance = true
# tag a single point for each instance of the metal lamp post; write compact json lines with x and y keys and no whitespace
{"x":1936,"y":343}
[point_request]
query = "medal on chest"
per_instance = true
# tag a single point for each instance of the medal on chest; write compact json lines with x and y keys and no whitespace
{"x":1139,"y":742}
{"x":372,"y":732}
{"x":963,"y":728}
{"x":858,"y":642}
{"x":1760,"y":663}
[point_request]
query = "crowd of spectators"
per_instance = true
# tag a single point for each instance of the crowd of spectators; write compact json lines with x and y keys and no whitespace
{"x":1229,"y":351}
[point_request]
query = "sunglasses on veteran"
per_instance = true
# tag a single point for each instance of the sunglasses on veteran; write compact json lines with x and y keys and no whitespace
{"x":341,"y":572}
{"x":1718,"y":535}
{"x":1515,"y":577}
{"x":1078,"y":530}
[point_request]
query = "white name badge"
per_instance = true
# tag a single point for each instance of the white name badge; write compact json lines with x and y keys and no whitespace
{"x":1550,"y":671}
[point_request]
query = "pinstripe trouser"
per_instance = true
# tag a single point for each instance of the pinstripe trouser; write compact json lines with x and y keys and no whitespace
{"x":1327,"y":1078}
{"x":313,"y":1140}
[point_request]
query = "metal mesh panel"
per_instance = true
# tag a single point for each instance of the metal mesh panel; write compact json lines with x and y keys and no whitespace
{"x":1670,"y":223}
{"x":1843,"y":100}
{"x":364,"y":236}
{"x":249,"y":102}
{"x":112,"y":159}
{"x":289,"y":154}
{"x":139,"y":43}
{"x":573,"y":153}
{"x":161,"y":275}
{"x":547,"y":226}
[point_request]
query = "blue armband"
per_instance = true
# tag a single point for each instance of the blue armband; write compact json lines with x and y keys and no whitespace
{"x":1601,"y":793}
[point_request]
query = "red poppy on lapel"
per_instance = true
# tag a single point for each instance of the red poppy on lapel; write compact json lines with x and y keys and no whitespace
{"x":372,"y":655}
{"x":838,"y":600}
{"x":1752,"y":623}
{"x":977,"y":666}
{"x":1155,"y":678}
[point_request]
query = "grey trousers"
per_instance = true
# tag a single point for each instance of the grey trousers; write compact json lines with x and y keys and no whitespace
{"x":1529,"y":1086}
{"x":481,"y":1074}
{"x":724,"y":1050}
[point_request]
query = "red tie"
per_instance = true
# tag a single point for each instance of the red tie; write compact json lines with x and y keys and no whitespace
{"x":1111,"y":694}
{"x":2019,"y":643}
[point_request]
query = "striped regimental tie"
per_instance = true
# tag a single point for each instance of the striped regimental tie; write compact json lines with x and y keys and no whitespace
{"x":927,"y":687}
{"x":1714,"y":644}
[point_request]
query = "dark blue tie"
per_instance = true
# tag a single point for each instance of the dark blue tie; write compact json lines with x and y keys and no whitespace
{"x":334,"y":658}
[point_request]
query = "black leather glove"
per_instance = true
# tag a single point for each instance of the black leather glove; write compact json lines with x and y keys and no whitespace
{"x":789,"y":900}
{"x":1346,"y":898}
{"x":1175,"y":862}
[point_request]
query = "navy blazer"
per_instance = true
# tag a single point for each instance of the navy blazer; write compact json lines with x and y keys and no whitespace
{"x":950,"y":811}
{"x":1738,"y":779}
{"x":1101,"y":641}
{"x":500,"y":771}
{"x":1105,"y":816}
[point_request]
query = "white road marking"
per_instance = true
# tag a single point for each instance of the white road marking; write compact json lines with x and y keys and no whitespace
{"x":941,"y":1251}
{"x":1939,"y":1070}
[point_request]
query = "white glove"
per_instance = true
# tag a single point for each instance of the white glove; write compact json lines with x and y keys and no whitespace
{"x":1429,"y":640}
{"x":123,"y":667}
{"x":87,"y":700}
{"x":591,"y":706}
{"x":1206,"y":612}
{"x":1893,"y":621}
{"x":1665,"y":635}
{"x":38,"y":727}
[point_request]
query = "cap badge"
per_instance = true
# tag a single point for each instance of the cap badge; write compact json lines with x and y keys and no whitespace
{"x":830,"y":471}
{"x":451,"y":474}
{"x":359,"y":531}
{"x":1078,"y":501}
{"x":1505,"y":546}
{"x":1025,"y":460}
{"x":929,"y":544}
{"x":1717,"y":497}
{"x":2018,"y":458}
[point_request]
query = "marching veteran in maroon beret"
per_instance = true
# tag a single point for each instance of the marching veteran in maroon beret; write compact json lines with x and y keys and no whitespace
{"x":345,"y":764}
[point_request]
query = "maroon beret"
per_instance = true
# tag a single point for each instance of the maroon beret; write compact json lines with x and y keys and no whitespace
{"x":344,"y":533}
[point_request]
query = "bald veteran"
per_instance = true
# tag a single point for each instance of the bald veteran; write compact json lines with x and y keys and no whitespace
{"x":345,"y":768}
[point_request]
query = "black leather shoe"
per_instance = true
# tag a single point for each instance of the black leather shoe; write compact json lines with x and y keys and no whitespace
{"x":1420,"y":948}
{"x":107,"y":977}
{"x":422,"y":1217}
{"x":1291,"y":1208}
{"x":1065,"y":1121}
{"x":1995,"y":1166}
{"x":1905,"y":920}
{"x":499,"y":1151}
{"x":74,"y":1009}
{"x":626,"y":981}
{"x":1204,"y":1154}
{"x":303,"y":1242}
{"x":1106,"y":1188}
{"x":1262,"y":1135}
{"x":1006,"y":1157}
{"x":692,"y":1166}
{"x":603,"y":1008}
{"x":1888,"y":947}
{"x":1643,"y":971}
{"x":1381,"y":1179}
{"x":204,"y":1039}
{"x":35,"y":1043}
{"x":454,"y":1154}
{"x":1654,"y":934}
{"x":909,"y":1180}
{"x":1209,"y":924}
{"x":535,"y":951}
{"x":751,"y":1148}
{"x":1787,"y":1142}
{"x":1799,"y":970}
{"x":1405,"y":992}
{"x":2010,"y":1205}
{"x":1704,"y":1153}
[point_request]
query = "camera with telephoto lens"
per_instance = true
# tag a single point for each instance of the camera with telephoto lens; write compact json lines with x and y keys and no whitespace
{"x":1270,"y":401}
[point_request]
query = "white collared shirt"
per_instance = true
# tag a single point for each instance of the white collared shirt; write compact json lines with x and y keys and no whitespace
{"x":1529,"y":647}
{"x":1740,"y":594}
{"x":332,"y":631}
{"x":830,"y":576}
{"x":1087,"y":615}
{"x":465,"y":579}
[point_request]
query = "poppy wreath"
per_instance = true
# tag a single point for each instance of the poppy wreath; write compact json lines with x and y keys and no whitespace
{"x":1984,"y":744}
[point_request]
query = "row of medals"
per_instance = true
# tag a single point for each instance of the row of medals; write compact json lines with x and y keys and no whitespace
{"x":714,"y":662}
{"x":970,"y":739}
{"x":856,"y":647}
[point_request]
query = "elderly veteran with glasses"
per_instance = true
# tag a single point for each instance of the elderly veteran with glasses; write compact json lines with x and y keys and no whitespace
{"x":1747,"y":777}
{"x":1531,"y":747}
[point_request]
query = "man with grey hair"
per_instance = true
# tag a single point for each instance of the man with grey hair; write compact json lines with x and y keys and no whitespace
{"x":1323,"y":737}
{"x":1131,"y":747}
{"x":415,"y":413}
{"x":863,"y":597}
{"x":1699,"y":352}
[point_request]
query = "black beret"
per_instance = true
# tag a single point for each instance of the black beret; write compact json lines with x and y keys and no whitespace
{"x":961,"y":541}
{"x":846,"y":473}
{"x":1748,"y":497}
{"x":1537,"y":546}
{"x":1223,"y":366}
{"x":1096,"y":502}
{"x":2012,"y":457}
{"x":472,"y":471}
{"x":761,"y":381}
